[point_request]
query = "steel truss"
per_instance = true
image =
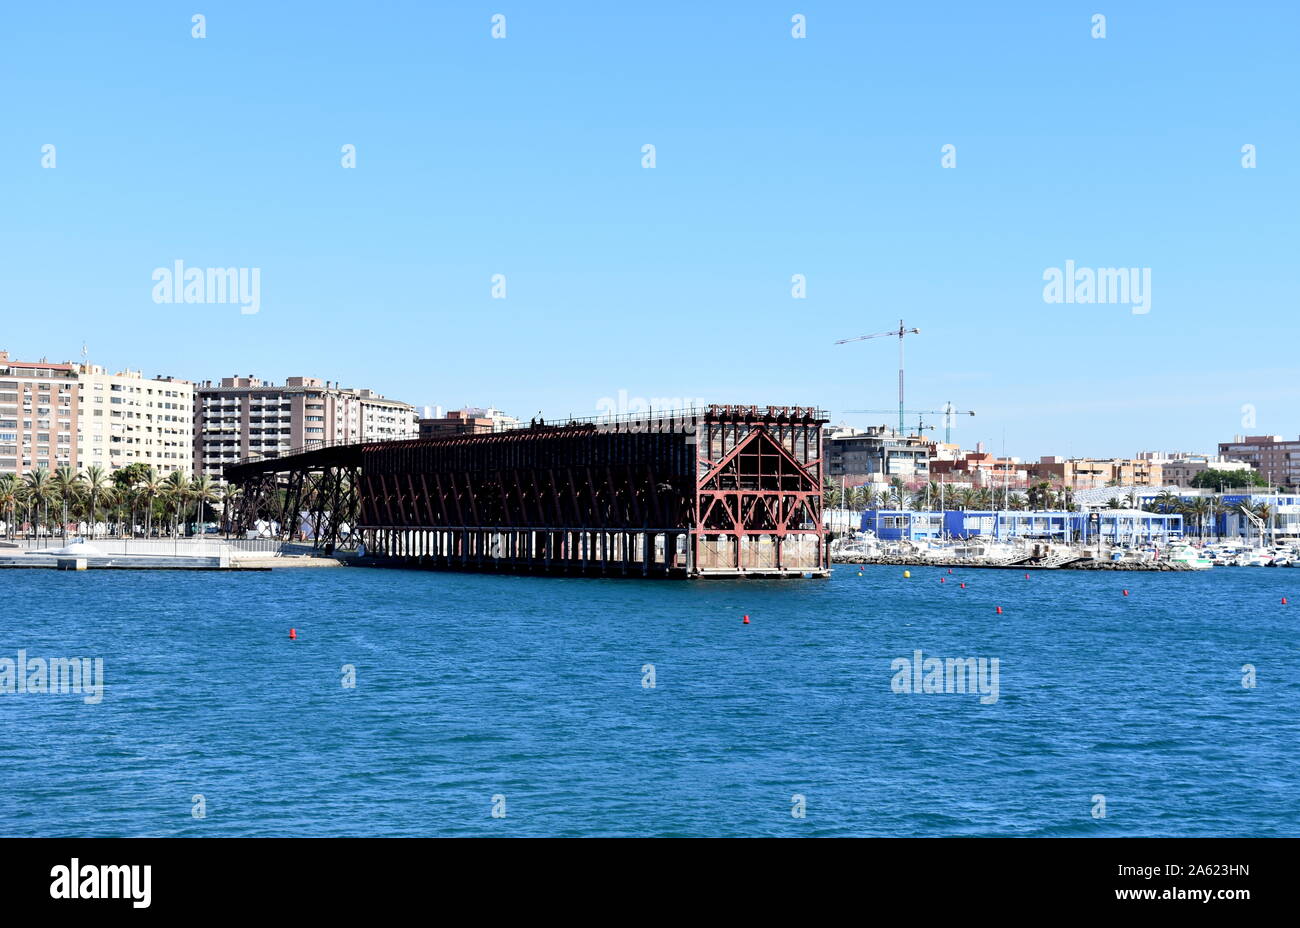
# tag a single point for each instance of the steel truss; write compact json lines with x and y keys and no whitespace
{"x":724,"y":491}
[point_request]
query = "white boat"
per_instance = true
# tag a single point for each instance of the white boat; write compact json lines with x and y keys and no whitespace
{"x":1189,"y":556}
{"x":864,"y":544}
{"x":1257,"y":557}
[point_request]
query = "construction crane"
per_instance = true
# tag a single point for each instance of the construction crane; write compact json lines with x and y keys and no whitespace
{"x":947,"y":412}
{"x":902,"y":331}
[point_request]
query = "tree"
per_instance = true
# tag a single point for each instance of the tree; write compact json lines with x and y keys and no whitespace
{"x":67,"y":486}
{"x":231,"y":492}
{"x":97,"y":486}
{"x":1167,"y":501}
{"x":10,"y":495}
{"x":1197,"y":510}
{"x":40,"y":489}
{"x":203,"y":490}
{"x":1212,"y":479}
{"x":176,"y":492}
{"x":151,"y":489}
{"x":126,"y":488}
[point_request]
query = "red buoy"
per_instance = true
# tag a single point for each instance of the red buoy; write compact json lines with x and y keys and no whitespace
{"x":1126,"y":592}
{"x":1026,"y":576}
{"x":746,"y":622}
{"x":963,"y":586}
{"x":293,"y":634}
{"x":949,"y":570}
{"x":1284,"y":600}
{"x":943,"y":579}
{"x":999,"y":610}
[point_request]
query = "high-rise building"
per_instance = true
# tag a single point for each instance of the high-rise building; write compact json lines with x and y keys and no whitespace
{"x":38,"y":415}
{"x":242,"y":417}
{"x":124,"y":419}
{"x":1277,"y":460}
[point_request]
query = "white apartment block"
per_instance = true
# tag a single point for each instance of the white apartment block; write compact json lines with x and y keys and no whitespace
{"x":124,"y":419}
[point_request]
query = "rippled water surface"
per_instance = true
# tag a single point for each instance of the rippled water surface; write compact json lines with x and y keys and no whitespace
{"x":470,"y":687}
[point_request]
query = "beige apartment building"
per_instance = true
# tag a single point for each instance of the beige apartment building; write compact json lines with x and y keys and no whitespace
{"x":1090,"y":473}
{"x":242,"y":417}
{"x":38,"y":415}
{"x":124,"y":419}
{"x":1180,"y":468}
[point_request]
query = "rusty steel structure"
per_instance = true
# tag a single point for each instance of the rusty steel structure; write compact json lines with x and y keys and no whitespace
{"x":719,"y":491}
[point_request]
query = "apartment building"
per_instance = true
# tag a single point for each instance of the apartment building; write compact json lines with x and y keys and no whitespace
{"x":979,"y":468}
{"x":124,"y":419}
{"x":38,"y":415}
{"x":877,"y":453}
{"x":1276,"y":459}
{"x":243,"y":416}
{"x":470,"y":420}
{"x":1088,"y":473}
{"x":1180,"y":468}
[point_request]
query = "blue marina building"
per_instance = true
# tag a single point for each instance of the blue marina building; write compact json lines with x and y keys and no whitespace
{"x":1114,"y":526}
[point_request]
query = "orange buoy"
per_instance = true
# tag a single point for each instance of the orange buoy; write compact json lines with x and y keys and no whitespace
{"x":293,"y":634}
{"x":746,"y":622}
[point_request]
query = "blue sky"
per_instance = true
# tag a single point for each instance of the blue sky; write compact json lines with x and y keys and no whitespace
{"x":775,"y":156}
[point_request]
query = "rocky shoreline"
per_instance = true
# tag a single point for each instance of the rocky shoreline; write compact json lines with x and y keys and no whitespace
{"x":901,"y":560}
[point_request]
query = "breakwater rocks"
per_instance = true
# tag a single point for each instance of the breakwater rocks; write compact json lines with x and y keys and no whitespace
{"x":903,"y":560}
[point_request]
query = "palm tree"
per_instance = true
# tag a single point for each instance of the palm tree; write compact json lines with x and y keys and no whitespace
{"x":67,"y":484}
{"x":97,"y":486}
{"x":1265,"y":513}
{"x":40,"y":488}
{"x":1197,"y":510}
{"x":10,"y":491}
{"x":176,"y":491}
{"x":1016,"y":502}
{"x":1167,"y":501}
{"x":203,"y":490}
{"x":150,"y":488}
{"x":231,"y":492}
{"x":126,"y":490}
